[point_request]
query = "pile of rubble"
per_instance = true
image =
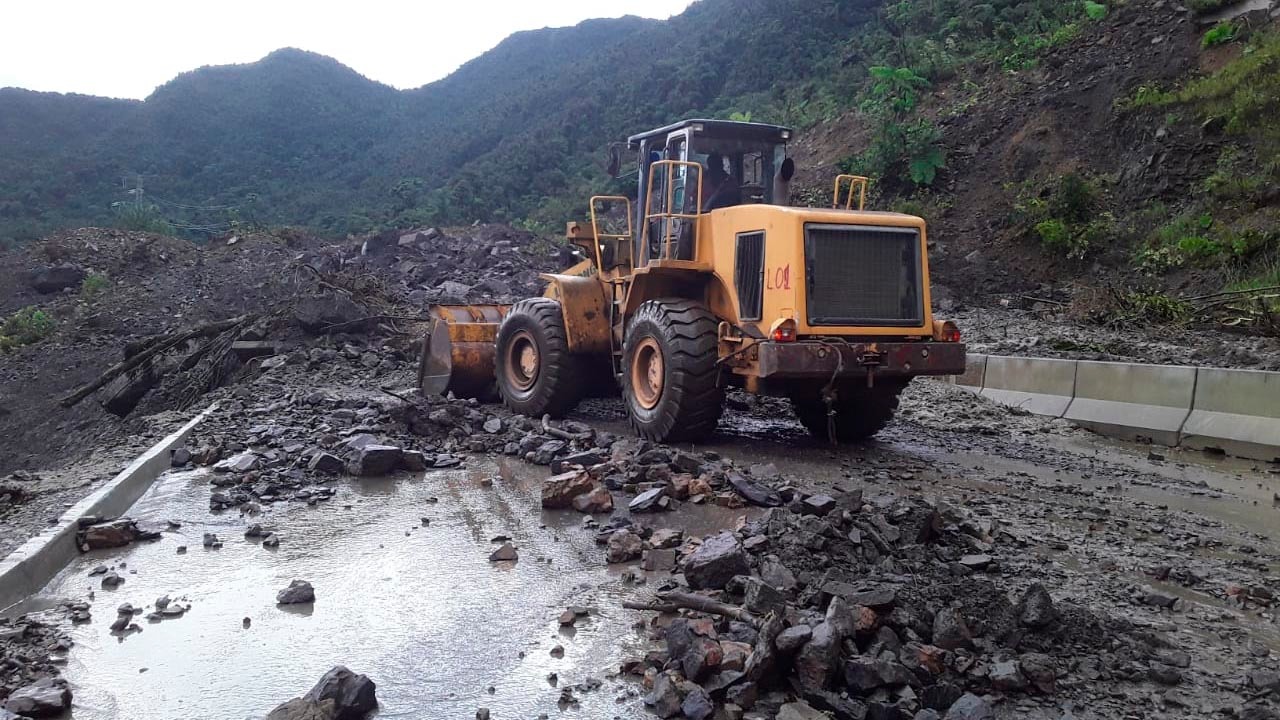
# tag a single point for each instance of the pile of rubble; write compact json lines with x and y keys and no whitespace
{"x":31,"y":652}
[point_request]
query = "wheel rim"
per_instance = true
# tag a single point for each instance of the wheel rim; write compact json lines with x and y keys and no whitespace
{"x":648,"y":374}
{"x":522,"y":361}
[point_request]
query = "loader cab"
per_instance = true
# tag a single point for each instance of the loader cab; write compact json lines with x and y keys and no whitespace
{"x":675,"y":181}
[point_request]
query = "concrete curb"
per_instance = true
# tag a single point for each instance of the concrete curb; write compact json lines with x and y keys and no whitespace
{"x":1234,"y":411}
{"x":35,"y":562}
{"x":1134,"y":402}
{"x":1037,"y":385}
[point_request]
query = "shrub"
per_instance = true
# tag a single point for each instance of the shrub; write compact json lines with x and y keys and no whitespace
{"x":140,"y":218}
{"x":25,"y":327}
{"x":93,"y":284}
{"x":1220,"y":34}
{"x":1095,"y":10}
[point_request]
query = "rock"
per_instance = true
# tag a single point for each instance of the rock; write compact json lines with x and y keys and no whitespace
{"x":800,"y":710}
{"x":665,"y":696}
{"x":48,"y":279}
{"x":318,"y":313}
{"x":300,"y":709}
{"x":760,"y":597}
{"x":816,"y":661}
{"x":976,"y":562}
{"x":559,"y":491}
{"x":647,"y":501}
{"x":271,"y":541}
{"x":376,"y":460}
{"x":493,"y":426}
{"x":482,"y":713}
{"x":413,"y":461}
{"x":180,"y":457}
{"x":715,"y":562}
{"x":242,"y":463}
{"x":950,"y":631}
{"x":599,"y":500}
{"x":970,"y":707}
{"x":819,"y":505}
{"x":506,"y":553}
{"x":755,"y":492}
{"x":793,"y":638}
{"x":1006,"y":676}
{"x":1040,"y":670}
{"x":111,"y":579}
{"x":666,"y":538}
{"x":697,"y":705}
{"x":1035,"y":609}
{"x":623,"y":546}
{"x":108,"y":535}
{"x":298,"y":592}
{"x":353,"y":695}
{"x":48,"y":697}
{"x":324,"y":462}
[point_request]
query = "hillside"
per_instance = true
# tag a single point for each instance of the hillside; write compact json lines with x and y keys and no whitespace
{"x":1128,"y":145}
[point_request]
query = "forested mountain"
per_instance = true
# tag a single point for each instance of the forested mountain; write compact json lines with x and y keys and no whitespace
{"x":988,"y":99}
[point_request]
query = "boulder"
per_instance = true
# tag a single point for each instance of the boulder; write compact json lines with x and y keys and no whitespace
{"x":48,"y":697}
{"x":316,"y":314}
{"x":352,"y":695}
{"x":300,"y":709}
{"x":755,"y":492}
{"x":970,"y":707}
{"x":1035,"y":609}
{"x":559,"y":491}
{"x":506,"y":553}
{"x":324,"y":462}
{"x":599,"y":500}
{"x":623,"y":545}
{"x":647,"y":501}
{"x":715,"y":562}
{"x":117,"y":533}
{"x":298,"y":592}
{"x":48,"y":279}
{"x":376,"y":460}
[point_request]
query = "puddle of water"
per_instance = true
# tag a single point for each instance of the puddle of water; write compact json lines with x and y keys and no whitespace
{"x":426,"y":615}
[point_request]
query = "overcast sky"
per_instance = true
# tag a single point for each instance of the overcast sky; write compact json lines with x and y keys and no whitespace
{"x":126,"y":49}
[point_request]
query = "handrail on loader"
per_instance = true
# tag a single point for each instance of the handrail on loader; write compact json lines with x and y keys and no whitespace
{"x":855,"y":182}
{"x":668,"y":233}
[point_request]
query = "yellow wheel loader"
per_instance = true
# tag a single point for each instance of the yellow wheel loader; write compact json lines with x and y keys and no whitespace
{"x":710,"y":280}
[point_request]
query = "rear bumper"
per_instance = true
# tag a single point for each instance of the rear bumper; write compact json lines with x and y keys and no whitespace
{"x":823,"y":359}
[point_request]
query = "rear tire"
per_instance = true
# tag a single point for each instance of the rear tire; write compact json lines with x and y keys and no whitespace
{"x":535,"y":370}
{"x":860,"y":411}
{"x":670,"y":379}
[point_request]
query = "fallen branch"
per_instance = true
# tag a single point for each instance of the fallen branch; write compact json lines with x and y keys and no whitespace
{"x":562,"y":434}
{"x":651,"y":607}
{"x":371,"y":318}
{"x":115,"y":371}
{"x":702,"y":603}
{"x":398,"y":396}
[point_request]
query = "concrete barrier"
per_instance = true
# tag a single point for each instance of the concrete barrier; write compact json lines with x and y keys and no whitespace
{"x":975,"y":370}
{"x":1133,"y":402}
{"x":1038,"y":385}
{"x":33,"y":564}
{"x":1237,"y":412}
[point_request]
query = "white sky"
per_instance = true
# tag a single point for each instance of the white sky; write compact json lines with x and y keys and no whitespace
{"x":126,"y":48}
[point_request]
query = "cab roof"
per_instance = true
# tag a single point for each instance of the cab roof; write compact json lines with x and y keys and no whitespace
{"x":745,"y":130}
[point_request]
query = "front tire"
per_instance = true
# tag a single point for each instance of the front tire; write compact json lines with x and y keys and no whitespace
{"x":534,"y":367}
{"x":860,"y":412}
{"x":671,"y":381}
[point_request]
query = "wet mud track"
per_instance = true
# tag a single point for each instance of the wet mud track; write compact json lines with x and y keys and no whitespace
{"x":444,"y":631}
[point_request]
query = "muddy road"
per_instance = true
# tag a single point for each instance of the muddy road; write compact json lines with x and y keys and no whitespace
{"x":1174,"y":548}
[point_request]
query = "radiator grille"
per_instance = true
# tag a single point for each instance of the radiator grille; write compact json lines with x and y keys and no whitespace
{"x":858,"y":275}
{"x":748,"y":274}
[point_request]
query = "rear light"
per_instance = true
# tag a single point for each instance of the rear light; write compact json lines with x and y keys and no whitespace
{"x":946,"y":331}
{"x":783,"y":331}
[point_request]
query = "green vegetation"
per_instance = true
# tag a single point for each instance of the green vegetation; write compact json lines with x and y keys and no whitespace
{"x":93,"y":284}
{"x":1220,"y":34}
{"x":1065,"y":219}
{"x":299,"y":139}
{"x":140,"y":218}
{"x":27,"y":326}
{"x":1095,"y":10}
{"x":902,"y":147}
{"x":1154,"y":307}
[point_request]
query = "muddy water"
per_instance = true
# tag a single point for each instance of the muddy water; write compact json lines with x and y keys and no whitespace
{"x":420,"y":609}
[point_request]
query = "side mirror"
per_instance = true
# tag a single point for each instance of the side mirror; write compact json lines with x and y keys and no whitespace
{"x":614,"y":165}
{"x":788,"y":170}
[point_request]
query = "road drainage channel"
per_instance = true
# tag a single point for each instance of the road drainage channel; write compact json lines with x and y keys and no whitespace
{"x":419,"y":608}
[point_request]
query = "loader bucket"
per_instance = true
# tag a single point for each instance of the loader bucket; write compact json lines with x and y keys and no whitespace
{"x":458,"y":351}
